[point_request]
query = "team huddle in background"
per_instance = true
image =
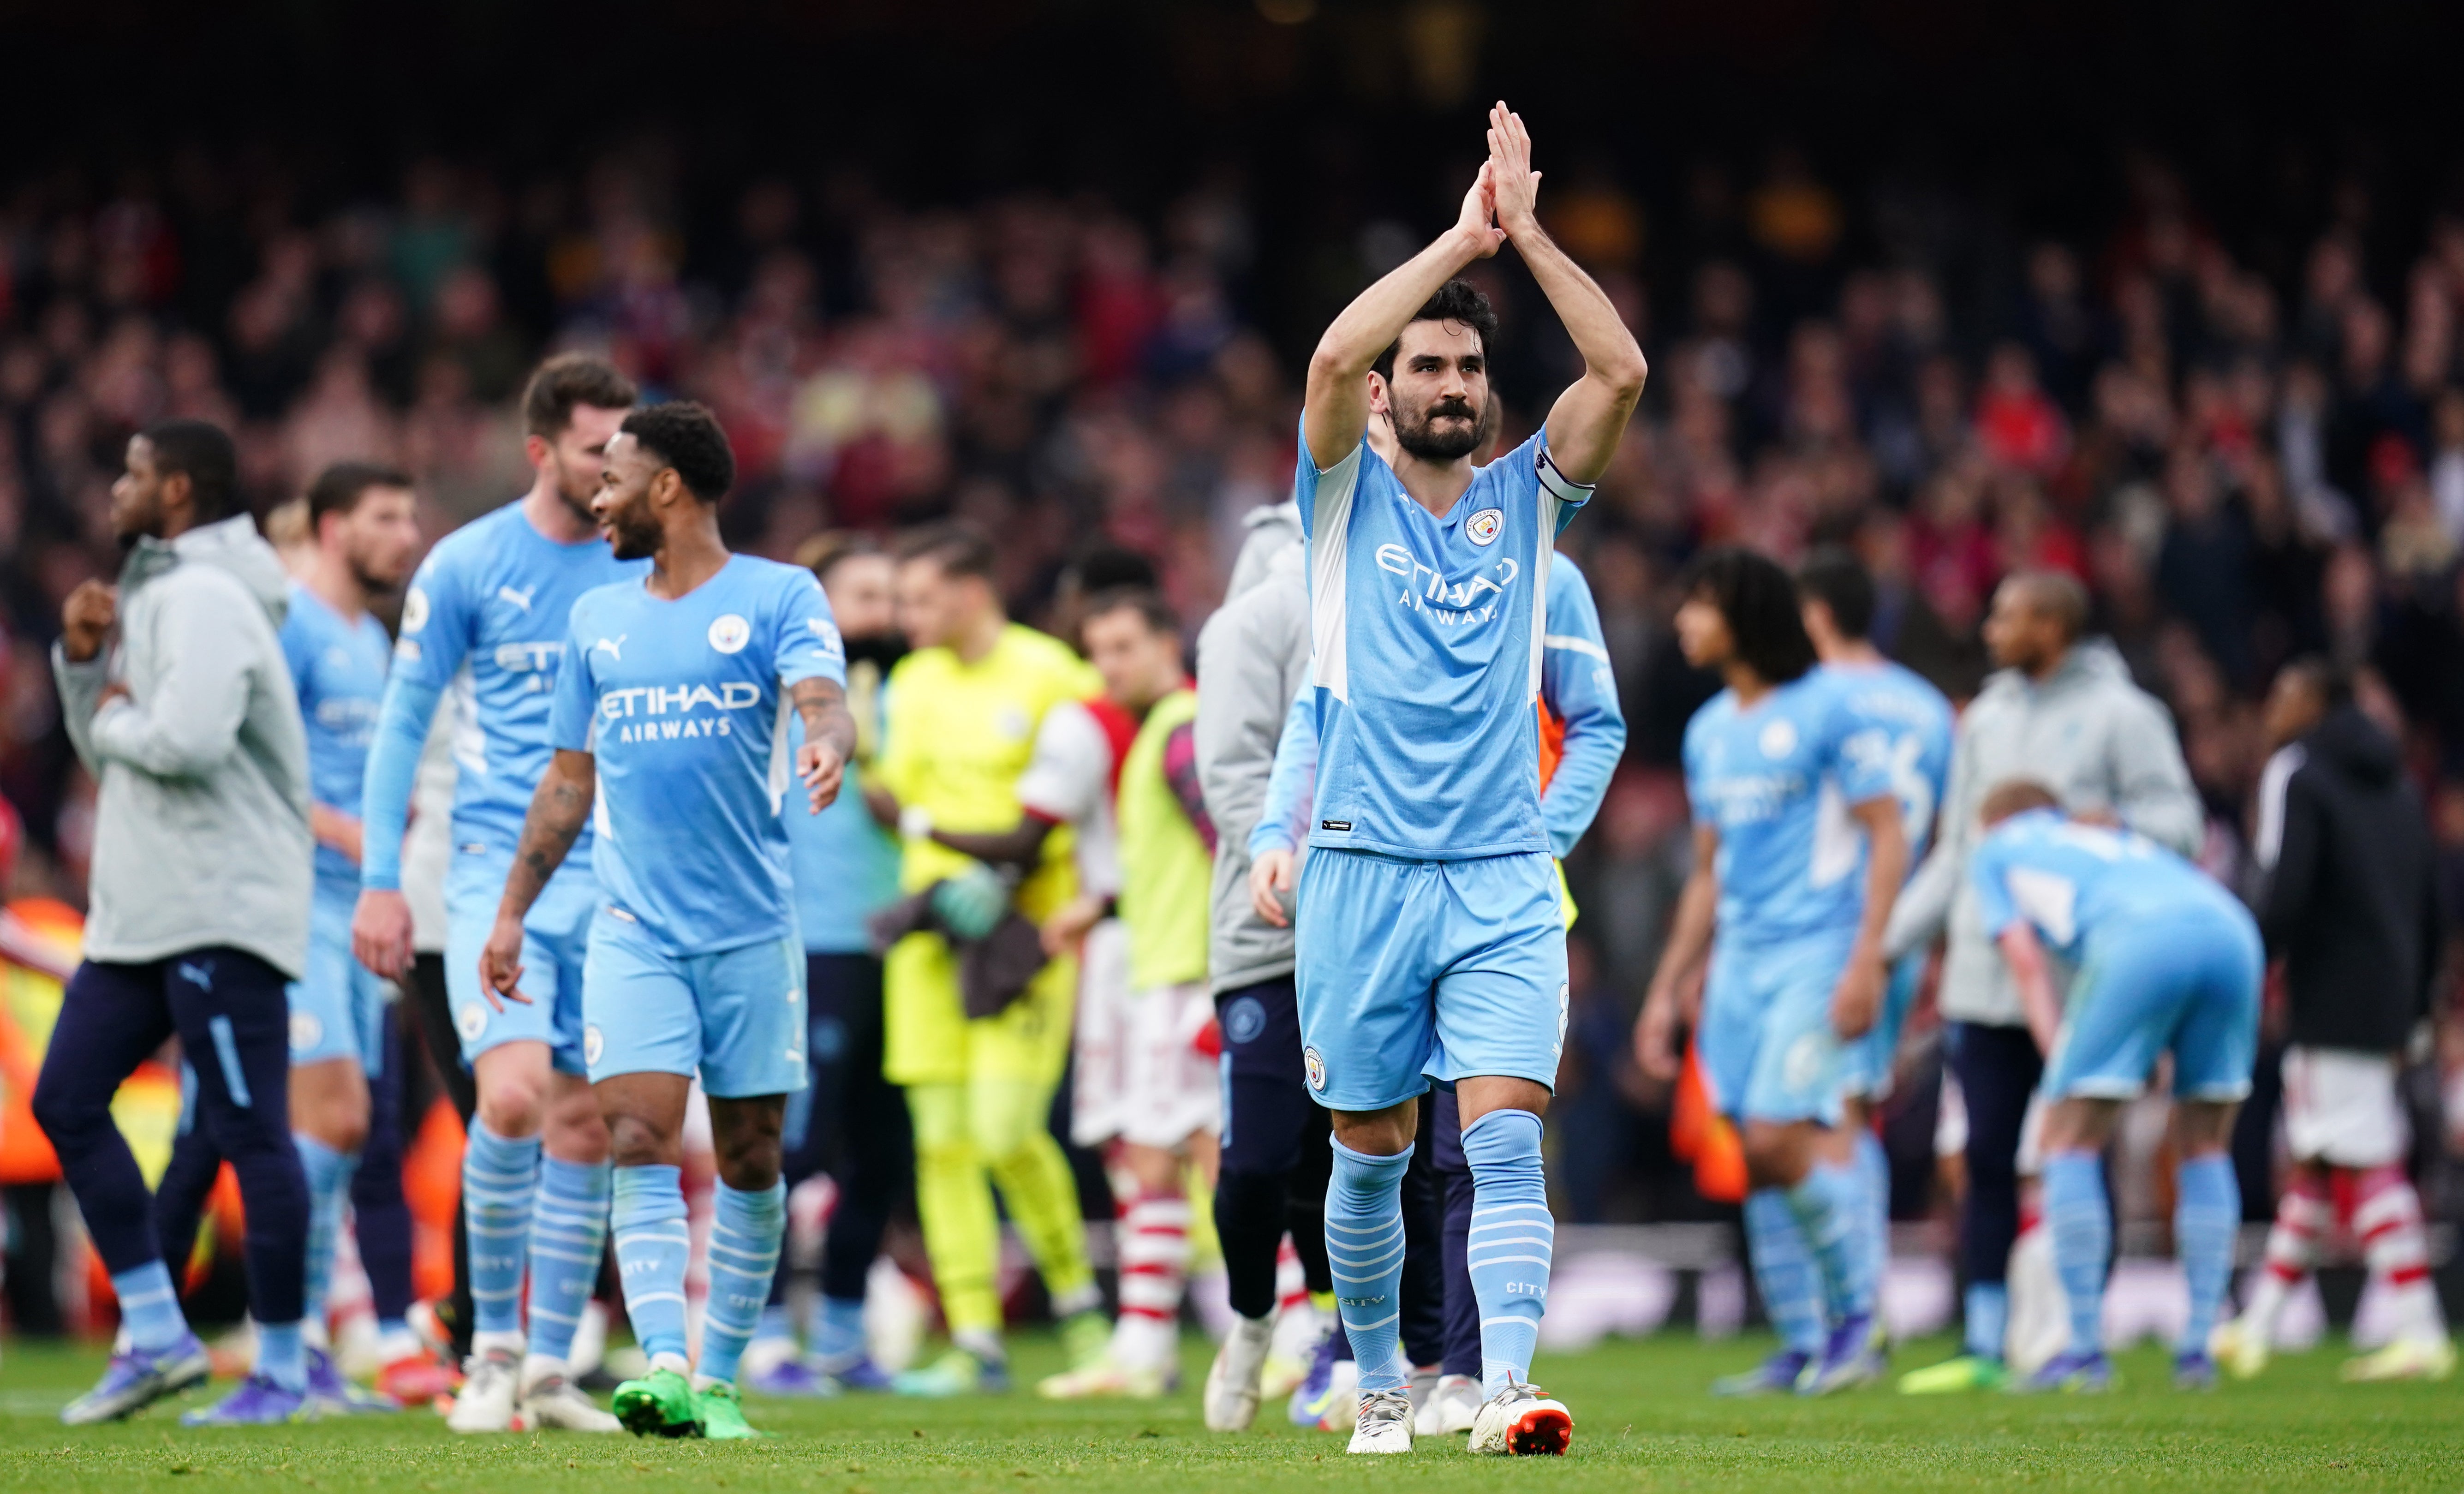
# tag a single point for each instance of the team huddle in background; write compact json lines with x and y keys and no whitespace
{"x":872,"y":869}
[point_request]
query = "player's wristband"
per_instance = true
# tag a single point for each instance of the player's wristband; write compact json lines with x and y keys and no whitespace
{"x":915,"y":823}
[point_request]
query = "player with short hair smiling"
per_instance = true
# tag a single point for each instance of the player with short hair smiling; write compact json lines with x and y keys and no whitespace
{"x":483,"y":626}
{"x":1797,"y":976}
{"x":669,"y":722}
{"x":1431,"y":944}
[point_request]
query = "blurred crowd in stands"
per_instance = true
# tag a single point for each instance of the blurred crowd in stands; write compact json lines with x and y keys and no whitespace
{"x":2245,"y":460}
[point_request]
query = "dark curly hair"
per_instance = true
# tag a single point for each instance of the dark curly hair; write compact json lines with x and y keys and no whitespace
{"x":686,"y":436}
{"x":1758,"y":599}
{"x":1456,"y":300}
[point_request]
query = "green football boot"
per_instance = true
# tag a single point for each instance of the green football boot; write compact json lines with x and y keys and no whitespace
{"x":659,"y":1404}
{"x":720,"y":1412}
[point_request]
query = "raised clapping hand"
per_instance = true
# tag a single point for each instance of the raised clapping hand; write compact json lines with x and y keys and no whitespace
{"x":1478,"y":211}
{"x":1513,"y":186}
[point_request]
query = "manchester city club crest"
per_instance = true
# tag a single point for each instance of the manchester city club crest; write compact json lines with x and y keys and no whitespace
{"x":1484,"y":526}
{"x":730,"y":633}
{"x":1315,"y":1068}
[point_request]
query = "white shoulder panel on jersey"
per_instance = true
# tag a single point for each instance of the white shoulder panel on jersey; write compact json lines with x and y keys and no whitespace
{"x":1330,"y":573}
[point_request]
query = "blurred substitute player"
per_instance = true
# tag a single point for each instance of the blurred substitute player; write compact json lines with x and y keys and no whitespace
{"x":204,"y":870}
{"x":1582,"y":735}
{"x":1431,"y":941}
{"x":1168,"y":1103}
{"x":1906,"y":722}
{"x":1798,"y":899}
{"x":965,"y":712}
{"x":852,"y":1122}
{"x":366,"y":535}
{"x":484,"y":622}
{"x":669,"y":722}
{"x":2351,"y":903}
{"x":2168,"y":962}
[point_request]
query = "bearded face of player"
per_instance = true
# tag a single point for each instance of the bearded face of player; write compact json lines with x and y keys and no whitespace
{"x":380,"y":538}
{"x":137,"y":496}
{"x":1438,"y":397}
{"x":577,"y":456}
{"x":622,"y":505}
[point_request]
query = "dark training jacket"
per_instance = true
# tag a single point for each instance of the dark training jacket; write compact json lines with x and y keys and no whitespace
{"x":2350,"y":895}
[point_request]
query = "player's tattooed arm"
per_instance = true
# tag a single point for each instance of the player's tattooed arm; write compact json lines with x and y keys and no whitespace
{"x":830,"y":738}
{"x":560,"y":809}
{"x":1589,"y":419}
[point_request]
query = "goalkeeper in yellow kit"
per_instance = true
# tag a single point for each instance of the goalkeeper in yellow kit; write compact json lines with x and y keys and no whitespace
{"x":964,"y":709}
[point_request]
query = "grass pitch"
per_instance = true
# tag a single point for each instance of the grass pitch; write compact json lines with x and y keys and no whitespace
{"x":1641,"y":1423}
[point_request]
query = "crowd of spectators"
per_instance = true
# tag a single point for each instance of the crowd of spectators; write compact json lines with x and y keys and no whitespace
{"x":2244,"y":466}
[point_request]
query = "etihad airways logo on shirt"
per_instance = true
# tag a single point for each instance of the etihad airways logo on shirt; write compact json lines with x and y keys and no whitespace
{"x":675,"y":711}
{"x":1427,"y":589}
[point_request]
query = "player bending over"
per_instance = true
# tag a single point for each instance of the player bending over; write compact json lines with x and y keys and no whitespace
{"x":2169,"y":962}
{"x":1799,"y":898}
{"x":667,"y":719}
{"x":1430,"y":940}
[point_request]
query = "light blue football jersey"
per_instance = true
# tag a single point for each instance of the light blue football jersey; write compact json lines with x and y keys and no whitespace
{"x":2070,"y":880}
{"x":684,"y":703}
{"x":1425,"y":654}
{"x":1901,"y":722}
{"x":485,"y":621}
{"x":1776,"y":782}
{"x":338,"y":666}
{"x":845,"y":865}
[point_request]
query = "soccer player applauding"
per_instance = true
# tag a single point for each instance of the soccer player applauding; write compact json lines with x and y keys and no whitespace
{"x":1430,"y":939}
{"x":668,"y":718}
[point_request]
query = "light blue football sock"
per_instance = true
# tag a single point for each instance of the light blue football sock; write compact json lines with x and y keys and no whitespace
{"x":744,"y":1240}
{"x":2206,"y":1216}
{"x":281,"y":1357}
{"x":2082,"y":1222}
{"x":834,"y":1331}
{"x":149,"y":1307}
{"x":652,"y":1245}
{"x":499,"y":1184}
{"x":568,"y":1237}
{"x":1512,"y":1238}
{"x":1987,"y":1308}
{"x":1791,"y":1283}
{"x":1830,"y":1207}
{"x":1874,"y":1176}
{"x":1364,"y":1251}
{"x":329,"y":1196}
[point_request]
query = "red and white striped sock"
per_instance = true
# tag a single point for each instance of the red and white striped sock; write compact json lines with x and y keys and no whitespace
{"x":2386,"y":1216}
{"x":2302,"y":1216}
{"x":1155,"y":1261}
